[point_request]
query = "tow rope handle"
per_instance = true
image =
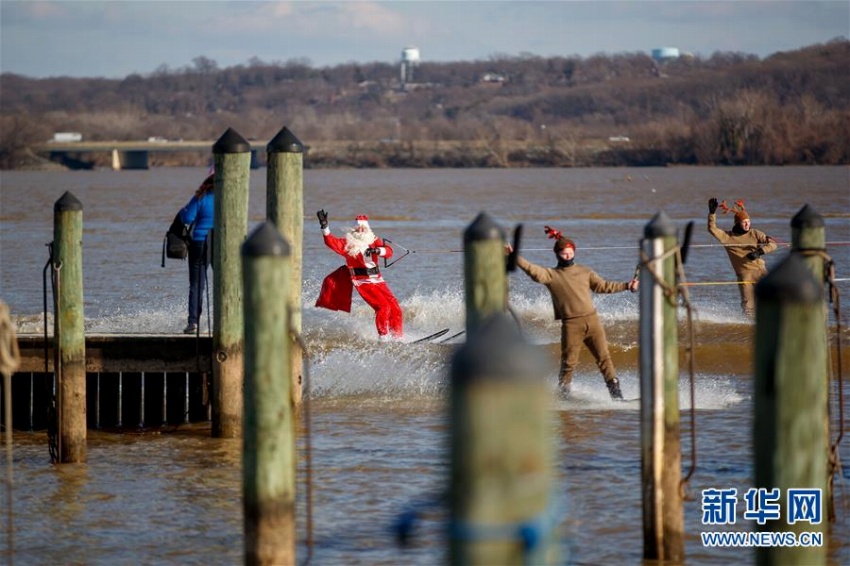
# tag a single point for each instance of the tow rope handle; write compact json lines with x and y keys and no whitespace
{"x":398,"y":259}
{"x":686,"y":241}
{"x":511,"y":263}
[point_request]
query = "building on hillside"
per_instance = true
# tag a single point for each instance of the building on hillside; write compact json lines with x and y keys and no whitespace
{"x":493,"y":78}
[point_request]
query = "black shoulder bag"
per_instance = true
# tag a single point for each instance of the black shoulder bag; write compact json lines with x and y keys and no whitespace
{"x":175,"y":245}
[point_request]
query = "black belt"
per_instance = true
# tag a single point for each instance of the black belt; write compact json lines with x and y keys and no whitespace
{"x":364,"y":271}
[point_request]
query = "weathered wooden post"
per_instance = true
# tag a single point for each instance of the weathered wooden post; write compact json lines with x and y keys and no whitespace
{"x":808,"y":237}
{"x":661,"y":459}
{"x":232,"y":156}
{"x":269,"y":450}
{"x":485,"y":280}
{"x":285,"y":208}
{"x":10,"y":361}
{"x":808,"y":234}
{"x":500,"y":450}
{"x":790,"y":439}
{"x":70,"y":339}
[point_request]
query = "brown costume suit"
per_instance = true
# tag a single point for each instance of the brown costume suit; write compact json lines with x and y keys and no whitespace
{"x":748,"y":271}
{"x":570,"y":288}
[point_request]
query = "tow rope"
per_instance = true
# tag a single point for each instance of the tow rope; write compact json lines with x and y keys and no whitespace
{"x":53,"y":436}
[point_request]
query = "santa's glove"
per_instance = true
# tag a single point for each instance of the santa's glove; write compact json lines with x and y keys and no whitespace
{"x":323,"y":218}
{"x":755,"y":254}
{"x":372,"y":251}
{"x":712,"y":205}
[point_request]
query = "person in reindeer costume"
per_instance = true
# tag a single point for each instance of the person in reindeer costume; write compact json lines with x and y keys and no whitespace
{"x":361,"y":249}
{"x":744,"y":246}
{"x":571,"y":286}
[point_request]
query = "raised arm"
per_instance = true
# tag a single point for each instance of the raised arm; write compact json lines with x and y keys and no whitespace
{"x":718,"y":234}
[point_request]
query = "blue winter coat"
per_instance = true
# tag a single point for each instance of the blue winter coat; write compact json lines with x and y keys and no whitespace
{"x":201,"y":212}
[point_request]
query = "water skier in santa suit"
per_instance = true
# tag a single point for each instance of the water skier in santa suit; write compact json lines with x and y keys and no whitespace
{"x":361,"y":249}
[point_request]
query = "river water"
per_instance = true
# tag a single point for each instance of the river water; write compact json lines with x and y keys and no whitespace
{"x":378,"y":411}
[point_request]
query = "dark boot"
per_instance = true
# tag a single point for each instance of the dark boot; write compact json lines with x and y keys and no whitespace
{"x":564,"y":388}
{"x":614,"y":389}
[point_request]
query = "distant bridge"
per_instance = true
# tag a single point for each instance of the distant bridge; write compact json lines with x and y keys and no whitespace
{"x":129,"y":154}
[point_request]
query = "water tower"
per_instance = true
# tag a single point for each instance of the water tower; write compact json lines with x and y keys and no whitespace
{"x":409,"y":59}
{"x":662,"y":54}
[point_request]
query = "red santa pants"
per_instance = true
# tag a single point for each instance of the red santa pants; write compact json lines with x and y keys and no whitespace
{"x":388,"y":315}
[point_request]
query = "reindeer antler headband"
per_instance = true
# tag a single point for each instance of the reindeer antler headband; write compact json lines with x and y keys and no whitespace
{"x":560,"y":241}
{"x":738,"y":209}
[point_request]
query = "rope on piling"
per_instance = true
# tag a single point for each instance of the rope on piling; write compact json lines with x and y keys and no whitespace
{"x":308,"y":444}
{"x":834,"y":454}
{"x":834,"y":458}
{"x":10,"y":361}
{"x":52,"y":405}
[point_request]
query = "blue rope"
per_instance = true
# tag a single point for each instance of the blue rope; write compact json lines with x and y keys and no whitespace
{"x":529,"y":531}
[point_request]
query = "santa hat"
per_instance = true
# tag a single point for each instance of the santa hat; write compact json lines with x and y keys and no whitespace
{"x":362,"y":220}
{"x":560,"y":241}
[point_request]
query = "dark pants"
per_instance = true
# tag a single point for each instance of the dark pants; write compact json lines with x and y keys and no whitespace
{"x":198,"y":262}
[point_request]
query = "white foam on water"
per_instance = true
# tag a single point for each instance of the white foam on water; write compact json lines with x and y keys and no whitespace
{"x":386,"y":370}
{"x":711,"y":392}
{"x":348,"y":359}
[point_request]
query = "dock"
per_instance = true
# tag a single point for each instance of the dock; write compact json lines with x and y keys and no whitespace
{"x":132,"y":380}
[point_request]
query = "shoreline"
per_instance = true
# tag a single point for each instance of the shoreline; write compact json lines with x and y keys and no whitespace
{"x":427,"y":154}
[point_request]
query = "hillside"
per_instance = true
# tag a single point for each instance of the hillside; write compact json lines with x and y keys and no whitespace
{"x":729,"y":109}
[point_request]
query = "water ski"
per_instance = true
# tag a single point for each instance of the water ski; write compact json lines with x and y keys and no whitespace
{"x":431,"y":336}
{"x":452,"y":337}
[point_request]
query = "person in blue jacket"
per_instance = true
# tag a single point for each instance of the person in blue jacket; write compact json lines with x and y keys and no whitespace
{"x":199,"y":212}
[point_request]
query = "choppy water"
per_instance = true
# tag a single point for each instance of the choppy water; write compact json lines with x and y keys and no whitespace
{"x":378,"y":426}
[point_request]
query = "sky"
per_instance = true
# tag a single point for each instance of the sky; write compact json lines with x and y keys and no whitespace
{"x":114,"y":39}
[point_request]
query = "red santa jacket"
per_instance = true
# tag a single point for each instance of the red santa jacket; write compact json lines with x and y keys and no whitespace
{"x":358,"y":270}
{"x":363,"y":268}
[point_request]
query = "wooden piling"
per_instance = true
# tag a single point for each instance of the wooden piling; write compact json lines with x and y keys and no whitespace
{"x":269,"y":447}
{"x":485,"y":279}
{"x":661,"y":460}
{"x":70,"y":340}
{"x":808,"y":237}
{"x":9,"y":362}
{"x":808,"y":233}
{"x":790,"y":441}
{"x":232,"y":156}
{"x":285,"y":208}
{"x":500,"y":450}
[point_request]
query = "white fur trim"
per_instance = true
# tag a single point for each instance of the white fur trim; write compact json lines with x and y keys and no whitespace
{"x":357,"y":242}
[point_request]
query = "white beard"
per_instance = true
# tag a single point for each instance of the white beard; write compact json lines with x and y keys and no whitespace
{"x":357,"y":242}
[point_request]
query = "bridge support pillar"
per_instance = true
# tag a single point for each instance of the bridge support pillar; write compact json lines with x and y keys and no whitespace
{"x":135,"y":159}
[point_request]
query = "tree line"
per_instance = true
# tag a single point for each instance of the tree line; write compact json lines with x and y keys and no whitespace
{"x":508,"y":111}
